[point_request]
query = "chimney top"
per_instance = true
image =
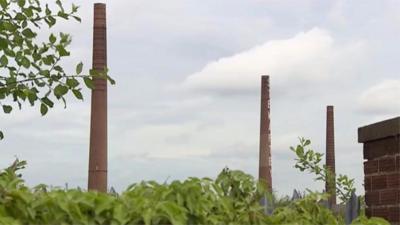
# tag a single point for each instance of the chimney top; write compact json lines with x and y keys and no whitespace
{"x":98,"y":4}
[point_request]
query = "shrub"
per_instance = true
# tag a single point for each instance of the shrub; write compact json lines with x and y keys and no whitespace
{"x":232,"y":198}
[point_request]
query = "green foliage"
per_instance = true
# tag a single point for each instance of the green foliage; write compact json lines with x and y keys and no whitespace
{"x":309,"y":160}
{"x":363,"y":220}
{"x":305,"y":211}
{"x":30,"y":70}
{"x":232,"y":198}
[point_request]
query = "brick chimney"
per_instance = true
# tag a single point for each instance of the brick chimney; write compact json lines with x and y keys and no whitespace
{"x":98,"y":121}
{"x":330,"y":155}
{"x":264,"y":172}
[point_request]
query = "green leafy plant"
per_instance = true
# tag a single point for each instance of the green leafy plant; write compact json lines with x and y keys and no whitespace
{"x":305,"y":211}
{"x":30,"y":69}
{"x":310,"y":161}
{"x":232,"y":198}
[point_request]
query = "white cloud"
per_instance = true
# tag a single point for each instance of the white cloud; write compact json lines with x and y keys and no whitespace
{"x":336,"y":13}
{"x":307,"y":58}
{"x":381,"y":99}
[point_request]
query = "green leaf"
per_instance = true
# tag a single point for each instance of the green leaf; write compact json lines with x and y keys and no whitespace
{"x":72,"y":82}
{"x":77,"y":94}
{"x":7,"y":108}
{"x":60,"y":90}
{"x":32,"y":97}
{"x":62,"y":15}
{"x":48,"y":102}
{"x":48,"y":60}
{"x":50,"y":20}
{"x":24,"y":24}
{"x":1,"y":135}
{"x":21,"y":3}
{"x":112,"y":81}
{"x":59,"y":4}
{"x":28,"y":33}
{"x":79,"y":68}
{"x":19,"y":16}
{"x":59,"y":69}
{"x":88,"y":82}
{"x":9,"y":26}
{"x":77,"y":18}
{"x":3,"y":61}
{"x":28,"y":12}
{"x":3,"y":4}
{"x":94,"y":72}
{"x":62,"y":51}
{"x":25,"y":62}
{"x":47,"y":10}
{"x":9,"y":52}
{"x":43,"y":109}
{"x":3,"y":43}
{"x":52,"y":38}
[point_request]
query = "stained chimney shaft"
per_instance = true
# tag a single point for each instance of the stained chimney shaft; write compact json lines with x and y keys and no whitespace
{"x":264,"y":171}
{"x":330,"y":155}
{"x":98,"y":122}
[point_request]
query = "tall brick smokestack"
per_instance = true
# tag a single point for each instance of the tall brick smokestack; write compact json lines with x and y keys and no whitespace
{"x":264,"y":172}
{"x":98,"y":121}
{"x":330,"y":154}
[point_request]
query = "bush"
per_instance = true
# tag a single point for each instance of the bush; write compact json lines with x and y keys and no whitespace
{"x":233,"y":198}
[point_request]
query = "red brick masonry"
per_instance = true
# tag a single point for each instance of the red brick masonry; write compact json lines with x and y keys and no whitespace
{"x":330,"y":153}
{"x":98,"y":122}
{"x":382,"y":168}
{"x":264,"y":171}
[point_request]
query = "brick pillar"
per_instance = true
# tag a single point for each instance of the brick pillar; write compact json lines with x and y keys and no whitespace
{"x":264,"y":173}
{"x":330,"y":155}
{"x":98,"y":122}
{"x":382,"y":168}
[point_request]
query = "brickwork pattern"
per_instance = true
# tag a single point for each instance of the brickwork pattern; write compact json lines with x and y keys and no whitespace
{"x":382,"y":175}
{"x":330,"y":153}
{"x":98,"y":123}
{"x":265,"y":135}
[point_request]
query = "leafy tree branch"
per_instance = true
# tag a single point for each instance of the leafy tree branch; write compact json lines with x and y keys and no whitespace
{"x":310,"y":161}
{"x":30,"y":69}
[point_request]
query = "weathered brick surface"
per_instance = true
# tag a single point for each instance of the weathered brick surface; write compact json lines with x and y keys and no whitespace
{"x":330,"y":152}
{"x":379,"y":130}
{"x":371,"y":166}
{"x":371,"y":197}
{"x":388,"y":197}
{"x":393,"y":180}
{"x":398,"y":163}
{"x":380,"y":212}
{"x":368,"y":211}
{"x":394,"y":214}
{"x":387,"y":164}
{"x":97,"y":179}
{"x":368,"y":183}
{"x":379,"y":182}
{"x":381,"y":146}
{"x":264,"y":170}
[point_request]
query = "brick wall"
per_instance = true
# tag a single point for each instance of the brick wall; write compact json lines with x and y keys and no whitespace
{"x":381,"y":149}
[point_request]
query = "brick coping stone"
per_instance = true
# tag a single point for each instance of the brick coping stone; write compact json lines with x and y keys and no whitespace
{"x":383,"y":129}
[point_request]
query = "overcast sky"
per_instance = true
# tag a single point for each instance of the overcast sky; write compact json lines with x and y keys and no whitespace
{"x":187,"y":98}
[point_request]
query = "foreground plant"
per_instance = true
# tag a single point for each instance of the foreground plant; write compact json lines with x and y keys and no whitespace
{"x":232,"y":198}
{"x":310,"y":161}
